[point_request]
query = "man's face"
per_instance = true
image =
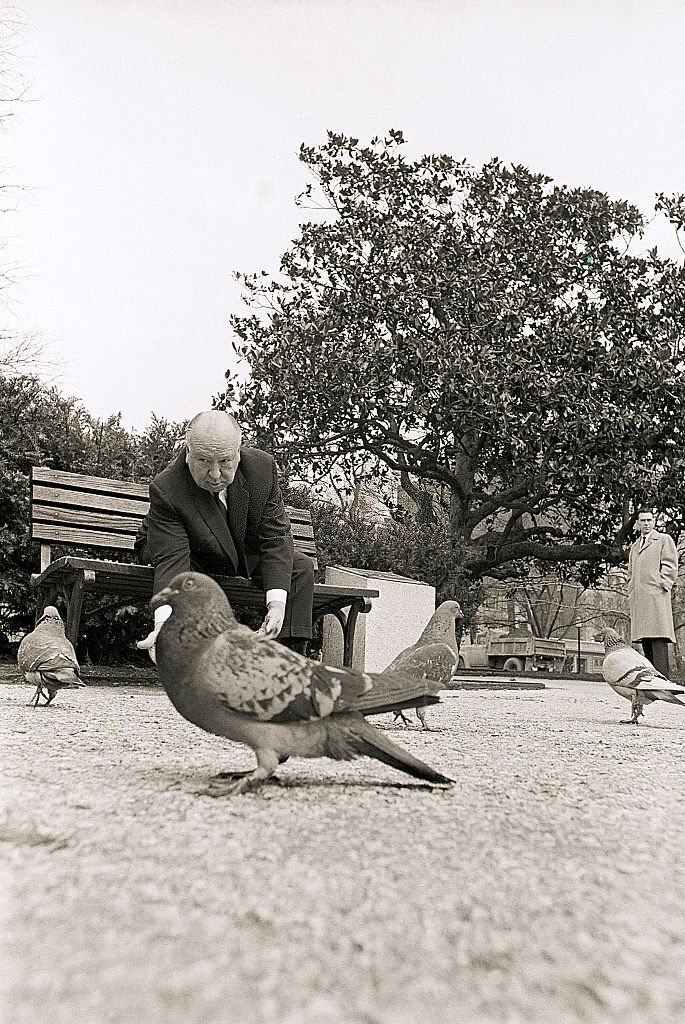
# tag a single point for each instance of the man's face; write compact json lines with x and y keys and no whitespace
{"x":645,"y":523}
{"x":213,"y":459}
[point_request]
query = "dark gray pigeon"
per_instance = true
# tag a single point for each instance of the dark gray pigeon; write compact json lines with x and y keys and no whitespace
{"x":47,"y":659}
{"x":222,"y":678}
{"x":434,"y":656}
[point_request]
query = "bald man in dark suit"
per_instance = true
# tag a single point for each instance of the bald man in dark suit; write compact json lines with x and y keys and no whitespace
{"x":217,"y":508}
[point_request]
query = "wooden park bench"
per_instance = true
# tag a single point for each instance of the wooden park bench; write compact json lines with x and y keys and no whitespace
{"x":94,"y":512}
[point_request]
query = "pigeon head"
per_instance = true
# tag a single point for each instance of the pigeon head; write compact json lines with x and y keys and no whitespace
{"x":452,"y":609}
{"x":196,"y":595}
{"x":51,"y":615}
{"x":610,"y":638}
{"x":199,"y":605}
{"x":441,"y":625}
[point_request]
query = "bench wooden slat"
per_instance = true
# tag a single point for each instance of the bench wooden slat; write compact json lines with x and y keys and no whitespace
{"x":299,"y":515}
{"x":63,"y":534}
{"x":82,"y":499}
{"x":301,"y":532}
{"x":49,"y":514}
{"x":79,"y":481}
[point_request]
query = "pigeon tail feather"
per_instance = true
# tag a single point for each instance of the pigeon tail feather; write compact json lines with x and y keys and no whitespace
{"x":666,"y":695}
{"x":396,"y":689}
{"x":63,"y":679}
{"x":399,"y":705}
{"x":357,"y":737}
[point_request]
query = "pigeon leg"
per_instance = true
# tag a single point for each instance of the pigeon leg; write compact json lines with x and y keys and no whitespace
{"x":267,"y":762}
{"x":221,"y":776}
{"x":637,"y":710}
{"x":421,"y":715}
{"x":37,"y":695}
{"x":401,"y":717}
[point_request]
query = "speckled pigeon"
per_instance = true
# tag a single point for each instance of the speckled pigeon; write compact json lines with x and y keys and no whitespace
{"x":434,"y":656}
{"x":47,"y":659}
{"x":634,"y":677}
{"x":222,"y":678}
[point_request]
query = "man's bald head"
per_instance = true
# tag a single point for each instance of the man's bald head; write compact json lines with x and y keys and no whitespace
{"x":212,"y":424}
{"x":213,"y":442}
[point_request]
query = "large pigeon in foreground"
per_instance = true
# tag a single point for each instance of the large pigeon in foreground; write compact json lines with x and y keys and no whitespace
{"x":47,"y":659}
{"x":434,"y":656}
{"x":225,"y":680}
{"x":634,"y":677}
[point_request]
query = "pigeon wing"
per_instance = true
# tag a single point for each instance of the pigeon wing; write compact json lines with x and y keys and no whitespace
{"x":428,"y":661}
{"x":658,"y":683}
{"x":40,"y":650}
{"x":267,"y":681}
{"x":627,"y":667}
{"x":394,"y":690}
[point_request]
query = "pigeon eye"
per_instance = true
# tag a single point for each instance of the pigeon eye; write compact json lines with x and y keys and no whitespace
{"x":188,"y":584}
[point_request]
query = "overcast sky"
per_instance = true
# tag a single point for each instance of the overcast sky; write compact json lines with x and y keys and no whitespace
{"x":160,"y":148}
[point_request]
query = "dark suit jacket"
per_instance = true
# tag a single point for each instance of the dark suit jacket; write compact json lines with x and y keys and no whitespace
{"x":186,"y":528}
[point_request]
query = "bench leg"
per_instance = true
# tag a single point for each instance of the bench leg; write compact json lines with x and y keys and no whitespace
{"x":348,"y":624}
{"x":342,"y":619}
{"x":360,"y":605}
{"x":75,"y":603}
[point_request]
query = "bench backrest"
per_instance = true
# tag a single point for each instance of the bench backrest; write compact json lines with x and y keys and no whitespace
{"x":92,"y":511}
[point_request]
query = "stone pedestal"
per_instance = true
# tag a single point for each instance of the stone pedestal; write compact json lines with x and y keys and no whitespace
{"x":396,"y":620}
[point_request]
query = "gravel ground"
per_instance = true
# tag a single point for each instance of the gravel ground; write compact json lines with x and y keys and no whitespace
{"x":544,"y":886}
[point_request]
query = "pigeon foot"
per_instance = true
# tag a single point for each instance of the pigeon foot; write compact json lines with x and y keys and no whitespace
{"x":222,"y":776}
{"x":232,"y":783}
{"x":247,"y":783}
{"x":35,"y":700}
{"x":401,"y":717}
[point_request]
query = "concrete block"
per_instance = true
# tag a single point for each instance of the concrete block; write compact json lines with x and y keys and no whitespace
{"x":396,"y":620}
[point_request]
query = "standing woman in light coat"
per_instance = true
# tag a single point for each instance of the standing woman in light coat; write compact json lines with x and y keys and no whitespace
{"x":652,"y":571}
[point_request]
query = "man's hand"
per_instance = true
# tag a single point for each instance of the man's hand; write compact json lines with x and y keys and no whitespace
{"x":148,"y":644}
{"x":273,"y":621}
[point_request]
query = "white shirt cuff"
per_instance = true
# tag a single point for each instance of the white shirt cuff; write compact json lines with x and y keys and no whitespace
{"x":274,"y":595}
{"x":162,"y":613}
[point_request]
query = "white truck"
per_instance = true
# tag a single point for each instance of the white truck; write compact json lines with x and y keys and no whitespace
{"x":515,"y":654}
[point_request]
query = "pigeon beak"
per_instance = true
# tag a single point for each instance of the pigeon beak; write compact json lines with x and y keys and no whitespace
{"x":162,"y":597}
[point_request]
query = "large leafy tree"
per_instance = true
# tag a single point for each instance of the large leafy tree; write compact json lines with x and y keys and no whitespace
{"x":488,"y":336}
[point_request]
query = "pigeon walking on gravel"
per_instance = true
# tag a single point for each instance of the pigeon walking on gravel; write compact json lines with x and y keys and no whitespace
{"x":434,"y":656}
{"x":221,"y":677}
{"x":47,"y":659}
{"x":634,"y":677}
